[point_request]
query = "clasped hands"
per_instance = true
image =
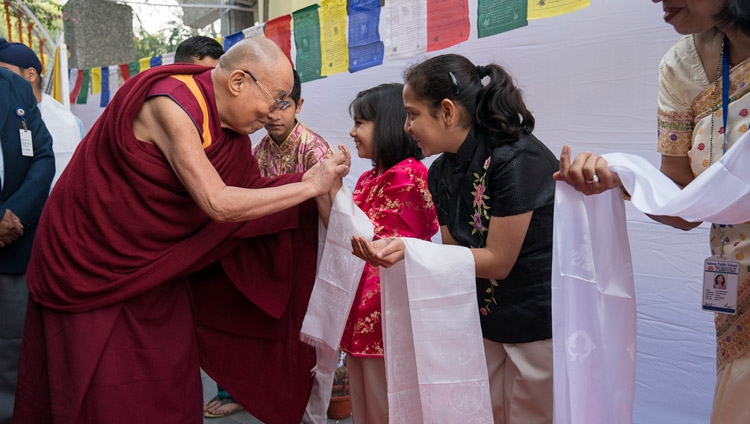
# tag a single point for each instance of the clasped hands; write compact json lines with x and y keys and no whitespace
{"x":10,"y":228}
{"x":326,"y":176}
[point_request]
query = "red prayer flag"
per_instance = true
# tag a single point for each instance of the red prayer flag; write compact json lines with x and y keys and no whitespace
{"x":447,"y":23}
{"x":278,"y":30}
{"x":125,"y":71}
{"x":77,"y":87}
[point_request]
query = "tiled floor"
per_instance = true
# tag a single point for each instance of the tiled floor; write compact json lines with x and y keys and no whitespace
{"x":242,"y":417}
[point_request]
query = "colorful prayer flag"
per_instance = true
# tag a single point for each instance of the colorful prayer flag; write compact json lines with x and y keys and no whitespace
{"x":96,"y":80}
{"x":83,"y":94}
{"x":144,"y":64}
{"x":154,"y":61}
{"x":496,"y":16}
{"x":125,"y":71}
{"x":278,"y":30}
{"x":232,"y":39}
{"x":254,"y":31}
{"x":407,"y":33}
{"x":447,"y":23}
{"x":365,"y":48}
{"x":307,"y":41}
{"x":114,"y":79}
{"x":104,"y":100}
{"x":167,"y":58}
{"x":56,"y":83}
{"x":545,"y":8}
{"x":335,"y":51}
{"x":134,"y":67}
{"x":78,"y":78}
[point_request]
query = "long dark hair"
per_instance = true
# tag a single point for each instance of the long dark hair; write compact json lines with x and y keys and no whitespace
{"x":384,"y":106}
{"x":496,"y":108}
{"x":734,"y":15}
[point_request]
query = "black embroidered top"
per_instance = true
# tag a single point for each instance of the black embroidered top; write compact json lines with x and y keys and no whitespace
{"x":478,"y":182}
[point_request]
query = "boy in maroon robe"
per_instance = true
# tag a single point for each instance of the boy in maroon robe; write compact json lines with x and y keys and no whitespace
{"x":164,"y":248}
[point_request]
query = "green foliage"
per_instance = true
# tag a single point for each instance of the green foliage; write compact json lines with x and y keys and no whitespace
{"x":49,"y":13}
{"x":341,"y":377}
{"x":166,"y":40}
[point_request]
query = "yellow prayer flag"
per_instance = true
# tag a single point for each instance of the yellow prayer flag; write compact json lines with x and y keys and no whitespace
{"x":96,"y":80}
{"x":546,"y":8}
{"x":220,"y":40}
{"x":144,"y":63}
{"x":56,"y":83}
{"x":334,"y":50}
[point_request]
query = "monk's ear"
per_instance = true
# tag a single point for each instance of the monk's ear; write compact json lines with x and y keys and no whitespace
{"x":235,"y":82}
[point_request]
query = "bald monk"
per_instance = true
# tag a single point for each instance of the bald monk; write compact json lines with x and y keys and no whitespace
{"x":163,"y":250}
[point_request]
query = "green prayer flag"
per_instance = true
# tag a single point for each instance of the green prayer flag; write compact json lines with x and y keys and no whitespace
{"x":307,"y":41}
{"x":496,"y":16}
{"x":134,"y":68}
{"x":84,"y":93}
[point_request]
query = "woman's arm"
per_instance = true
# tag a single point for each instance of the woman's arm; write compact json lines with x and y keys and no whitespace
{"x":504,"y":240}
{"x":585,"y":167}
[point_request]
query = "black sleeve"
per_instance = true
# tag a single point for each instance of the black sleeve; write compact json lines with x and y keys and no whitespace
{"x":433,"y":183}
{"x":520,"y":178}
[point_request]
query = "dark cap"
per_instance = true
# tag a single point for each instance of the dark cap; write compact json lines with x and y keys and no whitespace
{"x":20,"y":55}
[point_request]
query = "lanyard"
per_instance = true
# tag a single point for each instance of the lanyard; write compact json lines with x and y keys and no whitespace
{"x":725,"y":89}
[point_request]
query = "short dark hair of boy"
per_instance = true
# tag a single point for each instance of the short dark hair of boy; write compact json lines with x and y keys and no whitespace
{"x":384,"y":106}
{"x":199,"y":47}
{"x":296,"y":93}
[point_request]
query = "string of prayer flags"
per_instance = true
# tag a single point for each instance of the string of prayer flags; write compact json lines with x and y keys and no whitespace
{"x":307,"y":42}
{"x":365,"y":48}
{"x":96,"y":80}
{"x":447,"y":23}
{"x":104,"y":100}
{"x":232,"y":39}
{"x":154,"y":61}
{"x":83,"y":93}
{"x":77,"y":78}
{"x":278,"y":30}
{"x":494,"y":16}
{"x":254,"y":31}
{"x":335,"y":52}
{"x":538,"y":9}
{"x":407,"y":35}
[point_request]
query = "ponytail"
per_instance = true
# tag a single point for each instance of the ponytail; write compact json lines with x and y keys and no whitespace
{"x":496,"y":108}
{"x":500,"y":109}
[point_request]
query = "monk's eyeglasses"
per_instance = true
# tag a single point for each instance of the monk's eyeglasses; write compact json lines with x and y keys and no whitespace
{"x":277,"y":104}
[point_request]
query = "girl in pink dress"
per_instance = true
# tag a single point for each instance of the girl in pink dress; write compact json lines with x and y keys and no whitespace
{"x":395,"y":197}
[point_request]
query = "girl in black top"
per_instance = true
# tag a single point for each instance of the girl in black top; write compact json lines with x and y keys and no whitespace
{"x":494,"y":192}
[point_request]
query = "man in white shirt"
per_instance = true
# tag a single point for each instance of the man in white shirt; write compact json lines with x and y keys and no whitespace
{"x":61,"y":123}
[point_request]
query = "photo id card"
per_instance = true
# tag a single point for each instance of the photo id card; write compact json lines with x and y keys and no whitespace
{"x":27,"y":148}
{"x":720,"y":284}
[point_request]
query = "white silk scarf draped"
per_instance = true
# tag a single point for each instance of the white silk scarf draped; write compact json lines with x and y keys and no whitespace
{"x":336,"y":281}
{"x":593,"y":295}
{"x":434,"y":354}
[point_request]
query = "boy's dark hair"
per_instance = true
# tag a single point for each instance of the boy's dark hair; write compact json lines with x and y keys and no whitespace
{"x":497,"y":108}
{"x":384,"y":106}
{"x":199,"y":47}
{"x":734,"y":15}
{"x":296,"y":93}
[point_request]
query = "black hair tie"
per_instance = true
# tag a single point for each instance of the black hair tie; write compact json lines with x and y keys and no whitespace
{"x":482,"y":71}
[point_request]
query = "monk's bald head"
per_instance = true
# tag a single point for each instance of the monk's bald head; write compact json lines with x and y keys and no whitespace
{"x":268,"y":65}
{"x":253,"y":51}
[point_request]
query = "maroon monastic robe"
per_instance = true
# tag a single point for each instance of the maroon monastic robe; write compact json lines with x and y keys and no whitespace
{"x":132,"y":285}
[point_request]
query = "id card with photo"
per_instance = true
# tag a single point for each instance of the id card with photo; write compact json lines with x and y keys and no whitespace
{"x":720,"y":284}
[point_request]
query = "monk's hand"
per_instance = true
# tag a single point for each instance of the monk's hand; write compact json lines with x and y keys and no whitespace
{"x":10,"y":228}
{"x":331,"y":168}
{"x":384,"y":252}
{"x":587,"y":173}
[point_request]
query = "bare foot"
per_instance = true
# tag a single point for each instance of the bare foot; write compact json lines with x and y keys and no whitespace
{"x":225,"y":408}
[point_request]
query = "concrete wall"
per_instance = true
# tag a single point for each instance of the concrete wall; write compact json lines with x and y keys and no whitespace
{"x":102,"y":34}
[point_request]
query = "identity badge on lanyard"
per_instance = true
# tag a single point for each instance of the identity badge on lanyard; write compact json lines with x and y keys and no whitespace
{"x":721,"y":281}
{"x":27,"y":146}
